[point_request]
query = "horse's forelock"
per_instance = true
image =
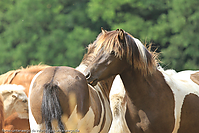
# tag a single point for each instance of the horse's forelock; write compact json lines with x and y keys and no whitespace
{"x":108,"y":42}
{"x":89,"y":56}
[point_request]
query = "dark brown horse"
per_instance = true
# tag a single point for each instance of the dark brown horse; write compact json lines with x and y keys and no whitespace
{"x":160,"y":102}
{"x":60,"y":99}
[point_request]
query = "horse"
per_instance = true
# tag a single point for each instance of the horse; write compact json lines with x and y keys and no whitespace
{"x":1,"y":114}
{"x":14,"y":100}
{"x":60,"y":99}
{"x":160,"y":103}
{"x":118,"y":104}
{"x":22,"y":76}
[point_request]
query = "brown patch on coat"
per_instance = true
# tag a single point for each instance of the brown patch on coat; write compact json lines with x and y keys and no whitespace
{"x":104,"y":117}
{"x":95,"y":105}
{"x":189,"y":115}
{"x":195,"y":77}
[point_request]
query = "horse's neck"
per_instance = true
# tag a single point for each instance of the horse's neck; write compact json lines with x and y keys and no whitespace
{"x":141,"y":88}
{"x":149,"y":96}
{"x":8,"y":77}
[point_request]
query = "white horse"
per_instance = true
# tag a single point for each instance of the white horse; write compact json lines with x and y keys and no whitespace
{"x":14,"y":100}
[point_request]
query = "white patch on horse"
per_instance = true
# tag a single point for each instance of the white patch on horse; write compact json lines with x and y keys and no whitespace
{"x":84,"y":125}
{"x":81,"y":68}
{"x":33,"y":124}
{"x":141,"y":49}
{"x":87,"y":122}
{"x":181,"y":85}
{"x":118,"y":107}
{"x":144,"y":121}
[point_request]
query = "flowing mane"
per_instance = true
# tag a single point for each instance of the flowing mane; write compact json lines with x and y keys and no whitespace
{"x":7,"y":78}
{"x":88,"y":57}
{"x":126,"y":46}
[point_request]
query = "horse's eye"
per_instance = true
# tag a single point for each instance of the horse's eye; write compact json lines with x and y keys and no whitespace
{"x":112,"y":52}
{"x":24,"y":100}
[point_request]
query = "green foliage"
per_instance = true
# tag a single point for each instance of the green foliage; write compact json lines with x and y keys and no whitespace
{"x":182,"y":51}
{"x":171,"y":25}
{"x":47,"y":32}
{"x":57,"y":32}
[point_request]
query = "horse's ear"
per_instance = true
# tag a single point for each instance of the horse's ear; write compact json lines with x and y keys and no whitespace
{"x":103,"y":31}
{"x":117,"y":29}
{"x":121,"y":35}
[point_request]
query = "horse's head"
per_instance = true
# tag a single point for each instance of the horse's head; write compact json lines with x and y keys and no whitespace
{"x":114,"y":52}
{"x":21,"y":104}
{"x":15,"y":100}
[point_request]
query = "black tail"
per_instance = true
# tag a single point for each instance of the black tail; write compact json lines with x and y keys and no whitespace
{"x":51,"y":108}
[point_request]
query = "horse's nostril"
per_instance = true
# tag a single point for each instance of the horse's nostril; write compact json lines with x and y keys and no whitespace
{"x":88,"y":75}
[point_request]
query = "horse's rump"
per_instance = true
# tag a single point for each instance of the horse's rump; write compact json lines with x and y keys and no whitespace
{"x":56,"y":93}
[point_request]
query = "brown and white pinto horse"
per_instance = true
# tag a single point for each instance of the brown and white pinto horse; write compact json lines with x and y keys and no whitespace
{"x":160,"y":103}
{"x":60,"y":99}
{"x":22,"y":77}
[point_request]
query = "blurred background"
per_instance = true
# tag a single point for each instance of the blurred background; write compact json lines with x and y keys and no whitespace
{"x":56,"y":32}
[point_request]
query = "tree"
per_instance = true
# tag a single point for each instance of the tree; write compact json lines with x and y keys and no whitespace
{"x":57,"y":32}
{"x":48,"y":31}
{"x":183,"y":43}
{"x":170,"y":25}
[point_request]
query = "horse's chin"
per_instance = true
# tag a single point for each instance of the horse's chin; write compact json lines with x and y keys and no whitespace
{"x":94,"y":82}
